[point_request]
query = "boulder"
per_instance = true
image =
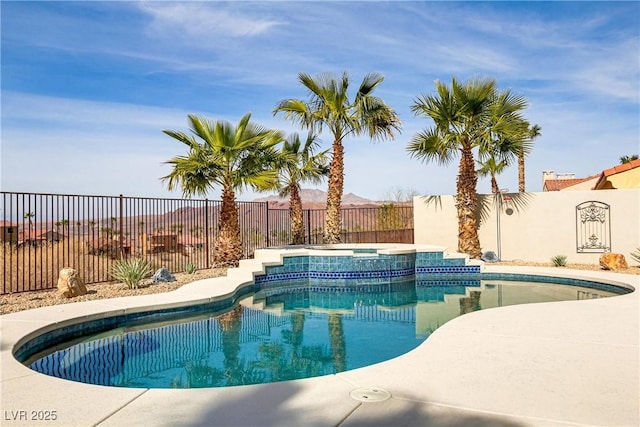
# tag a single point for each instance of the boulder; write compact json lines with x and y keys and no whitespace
{"x":489,"y":256}
{"x":70,"y":284}
{"x":163,"y":275}
{"x":612,"y":261}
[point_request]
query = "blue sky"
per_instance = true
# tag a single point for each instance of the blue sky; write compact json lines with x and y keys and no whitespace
{"x":87,"y":87}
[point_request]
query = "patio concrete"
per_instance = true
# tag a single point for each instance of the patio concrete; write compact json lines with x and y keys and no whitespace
{"x":562,"y":364}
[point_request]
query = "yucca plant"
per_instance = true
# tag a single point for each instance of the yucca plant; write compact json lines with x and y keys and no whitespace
{"x":190,"y":268}
{"x":559,"y":260}
{"x":636,"y":255}
{"x":131,"y":271}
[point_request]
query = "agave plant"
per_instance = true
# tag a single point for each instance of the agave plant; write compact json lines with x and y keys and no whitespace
{"x":131,"y":271}
{"x":559,"y":260}
{"x":190,"y":268}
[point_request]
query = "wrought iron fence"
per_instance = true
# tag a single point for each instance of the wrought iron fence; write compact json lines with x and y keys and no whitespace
{"x":388,"y":223}
{"x":43,"y":233}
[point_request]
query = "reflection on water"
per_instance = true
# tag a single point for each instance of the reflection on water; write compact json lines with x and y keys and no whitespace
{"x":297,"y":330}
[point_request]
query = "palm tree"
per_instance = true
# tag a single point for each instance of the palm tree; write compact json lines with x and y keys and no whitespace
{"x":628,"y":159}
{"x":492,"y":167}
{"x":533,"y":132}
{"x":502,"y":151}
{"x":29,"y":216}
{"x":300,"y":163}
{"x":468,"y":116}
{"x":233,"y":157}
{"x":328,"y":105}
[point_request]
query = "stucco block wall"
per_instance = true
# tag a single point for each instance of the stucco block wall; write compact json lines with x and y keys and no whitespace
{"x":542,"y":225}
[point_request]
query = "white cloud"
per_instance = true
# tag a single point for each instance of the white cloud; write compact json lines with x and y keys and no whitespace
{"x":204,"y":21}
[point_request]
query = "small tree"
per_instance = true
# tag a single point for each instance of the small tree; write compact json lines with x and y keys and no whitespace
{"x":29,"y":216}
{"x":300,"y":163}
{"x":390,"y":217}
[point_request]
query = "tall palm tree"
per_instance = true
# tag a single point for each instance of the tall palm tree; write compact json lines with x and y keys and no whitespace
{"x":300,"y":163}
{"x":328,"y":104}
{"x":233,"y":157}
{"x":533,"y":132}
{"x":468,"y":117}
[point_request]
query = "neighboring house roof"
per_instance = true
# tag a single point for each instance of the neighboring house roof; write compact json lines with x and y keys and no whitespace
{"x":7,"y":224}
{"x":191,"y":240}
{"x":562,"y":184}
{"x":605,"y":180}
{"x":161,"y":234}
{"x":102,"y":241}
{"x":38,"y":234}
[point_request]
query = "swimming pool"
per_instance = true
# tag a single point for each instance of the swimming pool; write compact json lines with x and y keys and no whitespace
{"x":283,"y":326}
{"x":287,"y":332}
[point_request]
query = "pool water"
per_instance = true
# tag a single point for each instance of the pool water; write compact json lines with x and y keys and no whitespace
{"x":289,"y":331}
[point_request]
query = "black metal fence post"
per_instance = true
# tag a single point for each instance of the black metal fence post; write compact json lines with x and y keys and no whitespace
{"x":267,"y":227}
{"x":121,"y":230}
{"x":308,"y":211}
{"x":207,"y":247}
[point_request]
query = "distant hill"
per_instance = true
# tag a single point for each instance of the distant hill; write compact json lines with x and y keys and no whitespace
{"x":316,"y":199}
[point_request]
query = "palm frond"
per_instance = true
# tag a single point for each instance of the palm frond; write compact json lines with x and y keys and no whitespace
{"x":429,"y":146}
{"x":369,"y":83}
{"x":225,"y":154}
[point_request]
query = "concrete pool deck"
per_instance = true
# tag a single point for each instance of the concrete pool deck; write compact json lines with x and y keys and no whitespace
{"x":562,"y":364}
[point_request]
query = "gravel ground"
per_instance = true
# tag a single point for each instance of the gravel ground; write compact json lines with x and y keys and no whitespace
{"x":574,"y":266}
{"x":23,"y":301}
{"x":11,"y":303}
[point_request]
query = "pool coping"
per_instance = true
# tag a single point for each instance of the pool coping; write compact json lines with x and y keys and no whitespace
{"x":562,"y":363}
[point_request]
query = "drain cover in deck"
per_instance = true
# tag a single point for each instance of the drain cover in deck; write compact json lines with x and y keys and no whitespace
{"x":370,"y":394}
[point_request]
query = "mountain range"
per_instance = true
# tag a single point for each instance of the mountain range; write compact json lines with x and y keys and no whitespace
{"x":316,"y":199}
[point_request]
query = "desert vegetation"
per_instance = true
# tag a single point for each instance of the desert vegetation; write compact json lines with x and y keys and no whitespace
{"x":29,"y":268}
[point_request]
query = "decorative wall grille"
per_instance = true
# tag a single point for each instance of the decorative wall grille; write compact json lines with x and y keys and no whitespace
{"x":593,"y":227}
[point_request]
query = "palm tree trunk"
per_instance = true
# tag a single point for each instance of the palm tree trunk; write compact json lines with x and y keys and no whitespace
{"x":467,"y":204}
{"x":333,"y":224}
{"x":296,"y":215}
{"x":521,"y":172}
{"x":337,"y":342}
{"x":494,"y":184}
{"x":230,"y":325}
{"x":470,"y":303}
{"x":228,"y":246}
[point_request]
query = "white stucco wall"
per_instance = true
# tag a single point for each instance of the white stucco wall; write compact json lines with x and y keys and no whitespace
{"x":542,"y":225}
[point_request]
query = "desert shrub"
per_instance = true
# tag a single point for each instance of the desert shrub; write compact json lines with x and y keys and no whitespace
{"x":190,"y":268}
{"x":559,"y":260}
{"x":131,"y":271}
